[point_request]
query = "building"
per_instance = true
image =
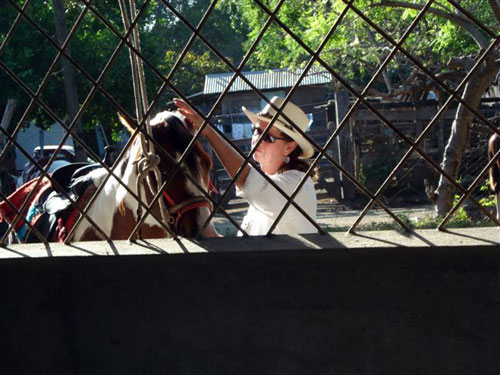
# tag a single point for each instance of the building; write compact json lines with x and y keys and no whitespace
{"x":312,"y":93}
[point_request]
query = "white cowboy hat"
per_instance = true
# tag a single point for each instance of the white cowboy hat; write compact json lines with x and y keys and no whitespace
{"x":291,"y":111}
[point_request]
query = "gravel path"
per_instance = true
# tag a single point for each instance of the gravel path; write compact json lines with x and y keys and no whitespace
{"x":329,"y":214}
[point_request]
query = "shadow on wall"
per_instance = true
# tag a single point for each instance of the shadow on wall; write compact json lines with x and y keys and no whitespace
{"x":267,"y":312}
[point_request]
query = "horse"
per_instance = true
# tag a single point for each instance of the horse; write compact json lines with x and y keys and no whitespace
{"x":114,"y":210}
{"x":493,"y":147}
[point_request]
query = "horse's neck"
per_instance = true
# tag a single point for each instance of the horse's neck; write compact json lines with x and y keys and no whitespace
{"x":126,"y":172}
{"x":125,"y":198}
{"x":113,"y":198}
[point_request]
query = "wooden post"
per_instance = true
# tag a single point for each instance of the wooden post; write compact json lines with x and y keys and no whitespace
{"x":355,"y":147}
{"x":346,"y":153}
{"x":330,"y":176}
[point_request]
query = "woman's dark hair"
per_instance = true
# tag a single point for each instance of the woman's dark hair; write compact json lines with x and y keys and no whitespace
{"x":300,"y":164}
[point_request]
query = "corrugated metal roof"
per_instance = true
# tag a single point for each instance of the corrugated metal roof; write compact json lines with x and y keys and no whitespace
{"x":265,"y":80}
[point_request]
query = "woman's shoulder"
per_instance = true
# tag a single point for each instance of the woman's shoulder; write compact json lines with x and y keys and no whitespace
{"x":291,"y":175}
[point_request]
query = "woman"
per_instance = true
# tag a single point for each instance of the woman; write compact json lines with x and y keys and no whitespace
{"x":280,"y":156}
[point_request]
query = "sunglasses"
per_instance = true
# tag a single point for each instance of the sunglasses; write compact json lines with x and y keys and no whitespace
{"x":268,"y":138}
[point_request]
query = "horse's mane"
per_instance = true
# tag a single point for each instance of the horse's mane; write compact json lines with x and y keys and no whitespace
{"x":169,"y":128}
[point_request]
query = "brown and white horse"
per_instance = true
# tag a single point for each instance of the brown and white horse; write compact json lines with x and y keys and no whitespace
{"x":114,"y":209}
{"x":493,"y":147}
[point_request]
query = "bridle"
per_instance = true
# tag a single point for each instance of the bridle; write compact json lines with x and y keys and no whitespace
{"x":171,"y":211}
{"x":175,"y":210}
{"x":149,"y":161}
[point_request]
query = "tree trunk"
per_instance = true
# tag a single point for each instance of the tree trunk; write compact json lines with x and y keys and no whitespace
{"x":8,"y":164}
{"x":6,"y":118}
{"x":70,"y":88}
{"x":459,"y":137}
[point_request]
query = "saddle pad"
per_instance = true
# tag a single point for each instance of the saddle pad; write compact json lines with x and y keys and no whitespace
{"x":11,"y":207}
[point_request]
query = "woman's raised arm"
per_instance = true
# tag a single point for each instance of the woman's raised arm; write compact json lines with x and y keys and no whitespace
{"x":229,"y":157}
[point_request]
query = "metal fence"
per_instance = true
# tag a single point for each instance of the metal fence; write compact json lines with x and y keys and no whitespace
{"x":360,"y":100}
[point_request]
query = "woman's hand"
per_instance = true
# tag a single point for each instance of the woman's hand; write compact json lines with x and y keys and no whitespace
{"x":229,"y":157}
{"x":187,"y":111}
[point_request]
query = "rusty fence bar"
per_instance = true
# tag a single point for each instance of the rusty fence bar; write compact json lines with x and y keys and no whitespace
{"x":272,"y":18}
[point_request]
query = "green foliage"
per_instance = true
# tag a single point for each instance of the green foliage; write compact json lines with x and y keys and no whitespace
{"x":376,"y":172}
{"x":489,"y":200}
{"x":163,"y":37}
{"x":355,"y":50}
{"x":428,"y":221}
{"x":192,"y":65}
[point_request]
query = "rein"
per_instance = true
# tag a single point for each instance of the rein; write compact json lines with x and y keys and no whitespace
{"x":149,"y":161}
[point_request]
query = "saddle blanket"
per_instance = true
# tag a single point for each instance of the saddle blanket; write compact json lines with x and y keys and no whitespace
{"x":37,"y":205}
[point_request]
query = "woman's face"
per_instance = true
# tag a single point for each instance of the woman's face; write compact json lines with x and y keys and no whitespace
{"x":270,"y":155}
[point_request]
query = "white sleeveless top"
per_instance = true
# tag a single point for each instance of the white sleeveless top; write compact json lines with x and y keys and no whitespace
{"x":266,"y":203}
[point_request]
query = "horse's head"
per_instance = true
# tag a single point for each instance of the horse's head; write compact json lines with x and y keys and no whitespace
{"x":187,"y":204}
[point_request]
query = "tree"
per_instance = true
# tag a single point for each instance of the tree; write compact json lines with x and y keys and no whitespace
{"x":70,"y":87}
{"x":223,"y":29}
{"x":446,"y":41}
{"x":163,"y":37}
{"x":474,"y":89}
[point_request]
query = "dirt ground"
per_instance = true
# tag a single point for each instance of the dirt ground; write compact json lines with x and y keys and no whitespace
{"x":329,"y":214}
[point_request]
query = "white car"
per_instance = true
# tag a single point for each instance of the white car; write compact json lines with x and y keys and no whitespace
{"x":66,"y":155}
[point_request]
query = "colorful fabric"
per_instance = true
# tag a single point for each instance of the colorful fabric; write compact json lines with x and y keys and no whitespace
{"x":31,"y":213}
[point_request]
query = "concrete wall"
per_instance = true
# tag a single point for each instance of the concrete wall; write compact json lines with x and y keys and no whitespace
{"x":385,"y":310}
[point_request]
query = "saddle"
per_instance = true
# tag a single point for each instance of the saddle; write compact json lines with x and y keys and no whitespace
{"x":51,"y":211}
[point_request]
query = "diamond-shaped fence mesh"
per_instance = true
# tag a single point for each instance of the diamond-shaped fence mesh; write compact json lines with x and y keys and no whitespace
{"x":403,"y":98}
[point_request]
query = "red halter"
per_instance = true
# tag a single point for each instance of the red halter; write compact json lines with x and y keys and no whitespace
{"x":177,"y":210}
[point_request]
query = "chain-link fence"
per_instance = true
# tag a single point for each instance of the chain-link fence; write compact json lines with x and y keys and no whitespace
{"x":378,"y":150}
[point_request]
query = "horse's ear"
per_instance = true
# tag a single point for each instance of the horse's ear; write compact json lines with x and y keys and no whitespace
{"x":127,"y":122}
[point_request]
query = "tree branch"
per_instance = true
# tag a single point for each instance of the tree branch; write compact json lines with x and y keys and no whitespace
{"x":380,"y":57}
{"x":495,"y":7}
{"x":458,"y":20}
{"x":464,"y":62}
